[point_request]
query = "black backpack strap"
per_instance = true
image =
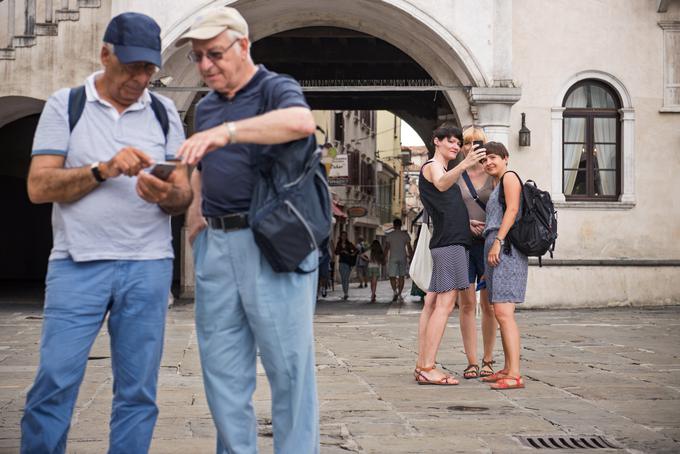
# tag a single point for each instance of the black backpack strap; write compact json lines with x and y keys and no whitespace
{"x":76,"y":104}
{"x":501,"y":195}
{"x":161,"y":115}
{"x":473,"y":191}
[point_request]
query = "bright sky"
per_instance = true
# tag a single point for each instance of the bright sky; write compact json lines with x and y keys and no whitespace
{"x":408,"y":136}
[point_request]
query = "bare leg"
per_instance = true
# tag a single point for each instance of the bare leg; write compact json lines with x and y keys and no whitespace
{"x":505,"y":314}
{"x":434,"y":332}
{"x":393,"y":283}
{"x":374,"y":286}
{"x":468,"y":324}
{"x":425,"y":314}
{"x":401,"y":284}
{"x":489,"y":325}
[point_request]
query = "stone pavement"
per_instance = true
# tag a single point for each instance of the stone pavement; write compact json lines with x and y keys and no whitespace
{"x":610,"y":372}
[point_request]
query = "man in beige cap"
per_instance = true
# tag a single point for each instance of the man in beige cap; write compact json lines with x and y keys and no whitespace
{"x":242,"y":305}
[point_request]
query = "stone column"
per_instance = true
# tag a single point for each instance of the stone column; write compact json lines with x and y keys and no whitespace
{"x":492,"y":106}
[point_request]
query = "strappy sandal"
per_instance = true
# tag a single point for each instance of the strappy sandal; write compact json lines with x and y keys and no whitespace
{"x":472,"y":371}
{"x":509,"y":383}
{"x":446,"y":380}
{"x":489,"y":368}
{"x":493,"y":378}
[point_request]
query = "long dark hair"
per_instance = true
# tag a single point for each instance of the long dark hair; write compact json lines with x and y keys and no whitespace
{"x":377,"y":254}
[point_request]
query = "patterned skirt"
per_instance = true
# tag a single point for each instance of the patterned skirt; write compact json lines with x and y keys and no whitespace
{"x":449,"y":268}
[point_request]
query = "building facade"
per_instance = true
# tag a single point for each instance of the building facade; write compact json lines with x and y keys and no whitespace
{"x":598,"y":82}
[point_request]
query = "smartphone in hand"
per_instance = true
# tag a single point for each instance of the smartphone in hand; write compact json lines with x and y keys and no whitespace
{"x":162,"y":170}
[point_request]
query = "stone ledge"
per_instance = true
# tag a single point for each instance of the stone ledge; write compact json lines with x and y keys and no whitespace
{"x":89,"y":3}
{"x":46,"y":29}
{"x":7,"y":54}
{"x":23,"y":41}
{"x":596,"y":205}
{"x":547,"y":261}
{"x":66,"y":15}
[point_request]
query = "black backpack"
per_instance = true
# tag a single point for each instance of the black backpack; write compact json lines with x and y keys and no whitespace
{"x":290,"y":211}
{"x":76,"y":105}
{"x":535,"y":231}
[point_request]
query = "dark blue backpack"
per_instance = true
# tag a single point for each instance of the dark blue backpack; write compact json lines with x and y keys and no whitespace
{"x":76,"y":105}
{"x":290,"y":211}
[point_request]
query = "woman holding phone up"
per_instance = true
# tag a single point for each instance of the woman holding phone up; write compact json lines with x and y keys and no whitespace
{"x":449,"y":247}
{"x":507,"y":268}
{"x":476,"y":190}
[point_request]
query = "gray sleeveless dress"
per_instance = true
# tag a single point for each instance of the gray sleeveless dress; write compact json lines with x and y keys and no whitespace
{"x":506,"y":282}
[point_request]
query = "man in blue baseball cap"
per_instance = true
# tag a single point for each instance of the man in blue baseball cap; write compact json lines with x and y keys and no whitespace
{"x":112,"y":250}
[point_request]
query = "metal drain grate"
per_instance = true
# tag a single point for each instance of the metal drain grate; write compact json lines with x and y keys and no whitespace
{"x":568,"y":442}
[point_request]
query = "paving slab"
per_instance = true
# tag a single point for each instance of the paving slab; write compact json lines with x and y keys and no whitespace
{"x":611,"y":372}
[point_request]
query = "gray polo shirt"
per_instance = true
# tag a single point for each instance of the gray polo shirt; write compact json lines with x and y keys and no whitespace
{"x":112,"y":222}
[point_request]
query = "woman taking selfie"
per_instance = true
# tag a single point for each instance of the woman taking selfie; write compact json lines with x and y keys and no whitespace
{"x":449,"y":247}
{"x":507,"y":268}
{"x":476,"y":191}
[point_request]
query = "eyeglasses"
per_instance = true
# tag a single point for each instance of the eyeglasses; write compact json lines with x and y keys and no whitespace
{"x":212,"y":55}
{"x":140,"y":67}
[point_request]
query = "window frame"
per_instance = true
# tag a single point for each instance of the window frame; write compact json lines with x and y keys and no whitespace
{"x":589,"y":114}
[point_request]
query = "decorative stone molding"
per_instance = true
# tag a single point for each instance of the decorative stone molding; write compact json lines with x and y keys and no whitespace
{"x":671,"y":66}
{"x":493,"y":106}
{"x":627,"y":198}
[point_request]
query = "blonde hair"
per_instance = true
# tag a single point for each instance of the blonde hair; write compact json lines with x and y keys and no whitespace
{"x":473,"y":133}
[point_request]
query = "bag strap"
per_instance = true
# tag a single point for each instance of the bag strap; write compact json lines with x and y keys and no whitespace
{"x":77,"y":97}
{"x":76,"y":105}
{"x":161,"y":115}
{"x":501,"y":194}
{"x":473,"y":191}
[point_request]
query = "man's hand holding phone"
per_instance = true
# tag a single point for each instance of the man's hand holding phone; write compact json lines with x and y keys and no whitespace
{"x":156,"y":185}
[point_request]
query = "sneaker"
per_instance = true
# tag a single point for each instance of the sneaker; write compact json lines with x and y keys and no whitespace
{"x":323,"y":292}
{"x":345,"y":297}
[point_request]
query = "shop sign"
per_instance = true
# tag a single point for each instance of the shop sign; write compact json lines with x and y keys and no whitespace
{"x":357,"y":212}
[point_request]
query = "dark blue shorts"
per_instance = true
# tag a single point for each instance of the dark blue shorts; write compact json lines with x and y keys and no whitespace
{"x":476,"y":268}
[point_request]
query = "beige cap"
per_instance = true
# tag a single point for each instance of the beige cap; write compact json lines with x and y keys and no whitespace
{"x":211,"y":23}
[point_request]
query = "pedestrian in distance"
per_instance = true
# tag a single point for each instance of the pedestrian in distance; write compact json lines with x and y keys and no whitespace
{"x":324,"y":268}
{"x":482,"y":185}
{"x":347,"y":258}
{"x":242,"y":305}
{"x":362,"y":264}
{"x":506,"y":267}
{"x":112,"y":250}
{"x":375,"y":258}
{"x":398,"y":252}
{"x":449,"y":245}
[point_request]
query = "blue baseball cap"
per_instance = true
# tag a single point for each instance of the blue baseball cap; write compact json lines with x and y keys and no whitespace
{"x":135,"y":37}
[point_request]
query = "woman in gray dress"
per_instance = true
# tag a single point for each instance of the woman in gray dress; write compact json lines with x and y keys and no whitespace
{"x":506,"y":267}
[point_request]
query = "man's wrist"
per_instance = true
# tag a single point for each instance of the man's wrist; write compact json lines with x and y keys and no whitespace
{"x":501,"y":241}
{"x":231,"y":132}
{"x":96,"y":169}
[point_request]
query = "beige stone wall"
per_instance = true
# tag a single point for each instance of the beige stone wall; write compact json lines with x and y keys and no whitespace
{"x":554,"y":40}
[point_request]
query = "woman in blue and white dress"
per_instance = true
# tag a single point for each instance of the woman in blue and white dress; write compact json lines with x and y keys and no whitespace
{"x":506,"y":267}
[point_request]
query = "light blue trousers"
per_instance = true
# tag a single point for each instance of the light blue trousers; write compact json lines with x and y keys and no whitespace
{"x":77,"y":298}
{"x":243,"y":305}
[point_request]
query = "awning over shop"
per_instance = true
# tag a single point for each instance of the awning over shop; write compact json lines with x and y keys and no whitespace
{"x":337,"y":211}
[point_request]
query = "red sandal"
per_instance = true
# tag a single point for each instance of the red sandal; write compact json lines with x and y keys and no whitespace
{"x":493,"y":378}
{"x":509,"y":383}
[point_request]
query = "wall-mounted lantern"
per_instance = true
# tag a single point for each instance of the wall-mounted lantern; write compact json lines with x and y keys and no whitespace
{"x":524,"y":133}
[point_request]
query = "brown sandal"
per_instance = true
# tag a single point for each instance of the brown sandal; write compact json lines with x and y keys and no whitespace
{"x":446,"y":380}
{"x":489,"y":368}
{"x":472,"y":371}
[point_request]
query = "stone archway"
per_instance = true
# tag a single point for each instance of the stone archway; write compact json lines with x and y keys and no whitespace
{"x":438,"y":50}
